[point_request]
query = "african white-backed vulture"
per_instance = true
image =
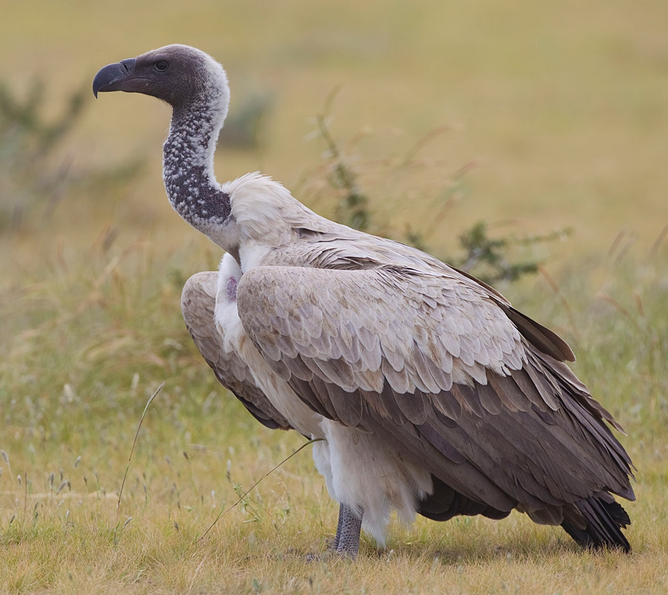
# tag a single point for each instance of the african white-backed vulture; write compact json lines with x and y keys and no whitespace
{"x":432,"y":394}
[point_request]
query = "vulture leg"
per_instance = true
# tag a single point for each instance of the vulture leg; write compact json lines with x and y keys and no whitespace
{"x":347,"y":540}
{"x":335,"y":542}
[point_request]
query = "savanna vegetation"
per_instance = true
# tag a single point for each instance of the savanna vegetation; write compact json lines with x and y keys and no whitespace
{"x":526,"y":141}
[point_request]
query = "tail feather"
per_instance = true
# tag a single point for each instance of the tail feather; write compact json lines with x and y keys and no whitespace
{"x":445,"y":503}
{"x":605,"y":518}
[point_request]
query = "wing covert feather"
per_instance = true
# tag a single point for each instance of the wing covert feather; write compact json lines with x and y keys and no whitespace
{"x":439,"y":368}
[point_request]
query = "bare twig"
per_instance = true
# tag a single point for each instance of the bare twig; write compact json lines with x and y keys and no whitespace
{"x":625,"y":248}
{"x":621,"y":309}
{"x":641,"y":309}
{"x":555,"y":288}
{"x":224,"y":512}
{"x":658,"y":241}
{"x":451,"y":201}
{"x":330,"y":100}
{"x":615,"y":243}
{"x":132,"y":450}
{"x":422,"y":142}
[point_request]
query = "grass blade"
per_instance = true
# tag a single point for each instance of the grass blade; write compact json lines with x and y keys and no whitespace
{"x":132,"y":450}
{"x":222,"y":513}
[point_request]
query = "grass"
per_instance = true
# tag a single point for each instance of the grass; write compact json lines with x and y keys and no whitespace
{"x":561,"y":108}
{"x":95,"y":334}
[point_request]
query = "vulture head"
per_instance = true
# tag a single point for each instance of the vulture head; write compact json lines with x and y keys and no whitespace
{"x":178,"y":74}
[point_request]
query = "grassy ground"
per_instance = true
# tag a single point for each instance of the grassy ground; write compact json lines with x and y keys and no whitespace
{"x":563,"y":105}
{"x":92,"y":340}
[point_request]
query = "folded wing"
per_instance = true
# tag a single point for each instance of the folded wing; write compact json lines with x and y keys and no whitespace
{"x":198,"y":302}
{"x":445,"y":372}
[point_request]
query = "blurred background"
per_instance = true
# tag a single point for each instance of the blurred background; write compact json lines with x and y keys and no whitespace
{"x":525,"y":141}
{"x":560,"y":107}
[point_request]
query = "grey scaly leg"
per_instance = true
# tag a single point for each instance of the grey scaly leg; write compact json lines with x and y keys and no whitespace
{"x":335,"y":542}
{"x":347,"y":540}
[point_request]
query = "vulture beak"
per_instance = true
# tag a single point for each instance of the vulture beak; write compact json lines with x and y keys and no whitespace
{"x":112,"y":77}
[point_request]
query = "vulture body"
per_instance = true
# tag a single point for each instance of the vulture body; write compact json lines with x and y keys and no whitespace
{"x":432,"y":394}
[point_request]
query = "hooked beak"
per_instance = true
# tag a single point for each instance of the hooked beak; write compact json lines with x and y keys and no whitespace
{"x":112,"y":76}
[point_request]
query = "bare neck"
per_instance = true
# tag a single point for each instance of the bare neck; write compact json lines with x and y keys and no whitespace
{"x":188,"y":167}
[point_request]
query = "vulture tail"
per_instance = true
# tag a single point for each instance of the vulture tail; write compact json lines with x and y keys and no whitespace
{"x":604,"y":519}
{"x":445,"y":503}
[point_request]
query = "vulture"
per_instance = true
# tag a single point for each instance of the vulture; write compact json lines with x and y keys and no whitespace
{"x":430,"y":393}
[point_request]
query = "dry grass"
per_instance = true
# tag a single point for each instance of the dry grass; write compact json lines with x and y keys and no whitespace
{"x":562,"y":103}
{"x":99,"y":332}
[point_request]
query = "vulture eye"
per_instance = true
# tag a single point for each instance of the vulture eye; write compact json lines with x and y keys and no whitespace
{"x":161,"y":65}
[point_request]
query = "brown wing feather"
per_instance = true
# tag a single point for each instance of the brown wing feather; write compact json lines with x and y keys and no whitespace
{"x":541,"y":337}
{"x":198,"y":303}
{"x":481,"y":407}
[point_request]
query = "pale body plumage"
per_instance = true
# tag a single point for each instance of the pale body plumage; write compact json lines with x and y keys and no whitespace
{"x":430,"y":392}
{"x":359,"y":470}
{"x":277,"y":234}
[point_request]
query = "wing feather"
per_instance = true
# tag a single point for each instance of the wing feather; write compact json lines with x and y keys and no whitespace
{"x":438,"y":367}
{"x":198,"y":304}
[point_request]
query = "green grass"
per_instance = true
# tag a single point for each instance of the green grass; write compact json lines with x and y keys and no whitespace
{"x":562,"y":105}
{"x":92,"y":340}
